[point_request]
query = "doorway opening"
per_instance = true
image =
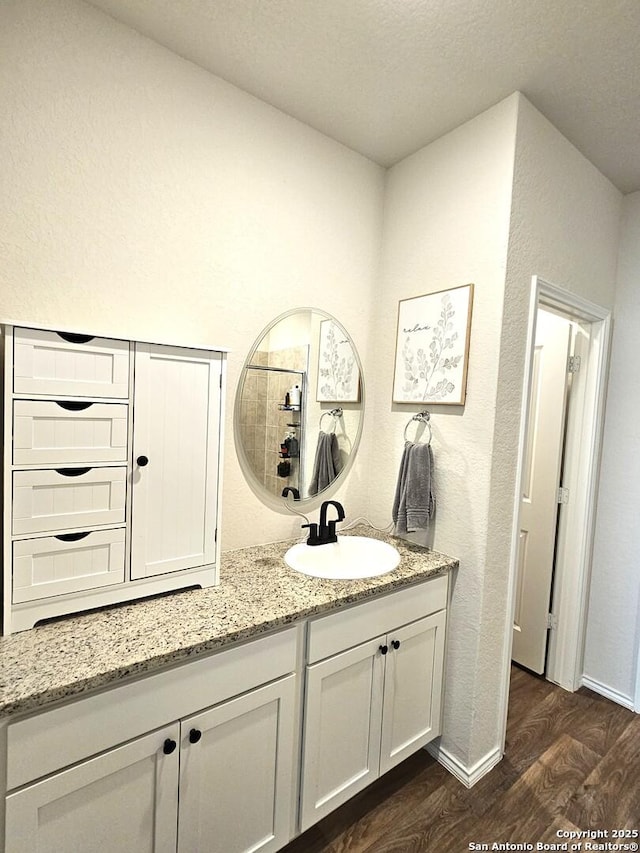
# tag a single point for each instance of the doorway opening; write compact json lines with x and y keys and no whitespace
{"x":582,"y":332}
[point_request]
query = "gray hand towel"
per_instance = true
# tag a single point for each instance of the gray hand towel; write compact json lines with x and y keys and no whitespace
{"x":327,"y":464}
{"x":414,"y":502}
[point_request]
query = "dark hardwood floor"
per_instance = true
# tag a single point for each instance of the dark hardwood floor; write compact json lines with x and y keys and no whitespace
{"x":572,"y":762}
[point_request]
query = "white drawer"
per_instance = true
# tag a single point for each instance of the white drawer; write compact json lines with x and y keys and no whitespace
{"x":68,"y":498}
{"x":61,"y":364}
{"x":53,"y":565}
{"x":56,"y":433}
{"x":350,"y":626}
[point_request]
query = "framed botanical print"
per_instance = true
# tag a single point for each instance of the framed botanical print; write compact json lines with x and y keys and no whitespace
{"x":338,"y":373}
{"x":432,"y":347}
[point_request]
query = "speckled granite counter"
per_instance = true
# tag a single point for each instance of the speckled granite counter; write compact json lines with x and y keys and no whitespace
{"x":258,"y":593}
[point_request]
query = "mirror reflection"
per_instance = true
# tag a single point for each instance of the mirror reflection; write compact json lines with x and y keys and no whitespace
{"x":298,"y":412}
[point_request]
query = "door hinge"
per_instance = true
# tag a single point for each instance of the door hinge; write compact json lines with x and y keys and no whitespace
{"x":215,"y":536}
{"x":573,"y":365}
{"x":552,"y":622}
{"x":563,"y":495}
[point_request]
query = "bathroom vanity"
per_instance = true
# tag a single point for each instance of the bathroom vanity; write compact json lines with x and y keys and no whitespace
{"x":226,"y":719}
{"x":111,"y":471}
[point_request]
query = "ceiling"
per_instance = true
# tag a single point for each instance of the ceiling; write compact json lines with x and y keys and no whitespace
{"x":386,"y":77}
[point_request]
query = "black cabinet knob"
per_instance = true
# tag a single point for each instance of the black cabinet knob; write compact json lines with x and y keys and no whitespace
{"x":395,"y":644}
{"x":142,"y":461}
{"x":169,"y":746}
{"x":384,"y":650}
{"x":194,"y":735}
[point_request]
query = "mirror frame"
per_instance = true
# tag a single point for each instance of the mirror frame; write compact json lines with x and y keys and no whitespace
{"x":275,"y":502}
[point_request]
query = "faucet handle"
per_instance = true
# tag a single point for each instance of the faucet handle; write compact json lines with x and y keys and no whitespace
{"x":313,"y":534}
{"x":331,"y":535}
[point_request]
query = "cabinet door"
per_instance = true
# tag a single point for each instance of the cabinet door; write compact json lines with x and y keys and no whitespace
{"x":175,"y":459}
{"x":412,"y":689}
{"x":342,"y":728}
{"x":124,"y":799}
{"x":237,"y":772}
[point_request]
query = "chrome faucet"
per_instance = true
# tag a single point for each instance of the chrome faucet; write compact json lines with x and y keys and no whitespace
{"x":326,"y":532}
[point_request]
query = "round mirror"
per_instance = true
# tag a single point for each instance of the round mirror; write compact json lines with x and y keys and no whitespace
{"x":298,"y":410}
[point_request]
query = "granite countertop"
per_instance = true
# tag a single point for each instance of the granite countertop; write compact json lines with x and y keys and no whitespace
{"x":258,"y":593}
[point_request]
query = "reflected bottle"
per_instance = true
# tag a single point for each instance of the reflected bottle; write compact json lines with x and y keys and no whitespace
{"x":294,"y":395}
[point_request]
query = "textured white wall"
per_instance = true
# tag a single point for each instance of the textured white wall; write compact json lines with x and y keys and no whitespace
{"x":565,"y":229}
{"x":613,"y":630}
{"x":140,"y":196}
{"x":506,"y":179}
{"x":447,"y":224}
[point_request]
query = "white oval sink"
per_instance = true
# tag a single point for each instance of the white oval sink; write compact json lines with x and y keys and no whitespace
{"x":349,"y":558}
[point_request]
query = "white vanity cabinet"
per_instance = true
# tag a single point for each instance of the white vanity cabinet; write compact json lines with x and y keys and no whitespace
{"x":111,"y":471}
{"x":216,"y":773}
{"x":236,"y":773}
{"x":123,"y":799}
{"x":231,"y":752}
{"x":373,"y":692}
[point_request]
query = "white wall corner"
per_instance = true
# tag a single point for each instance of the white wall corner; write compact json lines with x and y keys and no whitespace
{"x":609,"y":693}
{"x":467,"y":775}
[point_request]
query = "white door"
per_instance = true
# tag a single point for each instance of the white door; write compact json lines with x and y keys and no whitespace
{"x":175,"y":459}
{"x":541,"y":479}
{"x":123,"y":800}
{"x":236,"y":773}
{"x":412,"y":688}
{"x":342,"y":728}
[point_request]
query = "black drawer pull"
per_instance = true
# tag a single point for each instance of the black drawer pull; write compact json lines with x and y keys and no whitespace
{"x":72,"y":472}
{"x":72,"y":338}
{"x":395,"y":644}
{"x":72,"y":537}
{"x":142,"y":461}
{"x":383,"y":649}
{"x":169,"y":746}
{"x":73,"y":405}
{"x":194,"y":735}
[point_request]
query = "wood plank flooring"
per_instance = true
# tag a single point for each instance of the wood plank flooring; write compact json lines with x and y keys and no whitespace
{"x":572,"y":762}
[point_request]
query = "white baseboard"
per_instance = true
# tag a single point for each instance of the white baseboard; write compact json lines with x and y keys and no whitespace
{"x":468,"y":776}
{"x":608,"y":692}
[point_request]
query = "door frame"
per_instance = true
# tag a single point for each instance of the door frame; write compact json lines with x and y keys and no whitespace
{"x":582,"y":457}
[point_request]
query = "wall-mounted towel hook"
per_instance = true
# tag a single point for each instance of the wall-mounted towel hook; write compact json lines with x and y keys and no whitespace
{"x":423,"y":418}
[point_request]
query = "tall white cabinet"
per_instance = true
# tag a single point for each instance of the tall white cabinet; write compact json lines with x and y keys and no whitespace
{"x":111,"y":471}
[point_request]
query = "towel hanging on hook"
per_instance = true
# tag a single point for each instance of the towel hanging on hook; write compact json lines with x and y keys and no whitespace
{"x":414,"y":503}
{"x":423,"y":418}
